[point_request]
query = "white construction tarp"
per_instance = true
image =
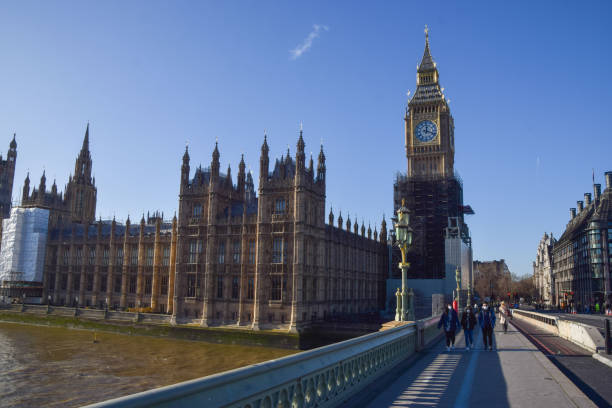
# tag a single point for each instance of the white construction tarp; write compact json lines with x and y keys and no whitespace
{"x":24,"y":239}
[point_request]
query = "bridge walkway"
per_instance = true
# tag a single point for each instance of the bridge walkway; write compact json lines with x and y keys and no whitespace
{"x":514,"y":374}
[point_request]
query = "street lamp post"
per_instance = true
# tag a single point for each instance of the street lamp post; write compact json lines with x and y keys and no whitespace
{"x":404,"y":235}
{"x":458,"y":280}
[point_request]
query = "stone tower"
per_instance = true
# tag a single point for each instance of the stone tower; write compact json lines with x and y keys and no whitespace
{"x":81,"y":189}
{"x":7,"y":175}
{"x":430,"y":145}
{"x":433,"y":193}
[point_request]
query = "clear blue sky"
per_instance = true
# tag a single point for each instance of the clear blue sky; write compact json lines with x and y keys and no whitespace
{"x":529,"y":84}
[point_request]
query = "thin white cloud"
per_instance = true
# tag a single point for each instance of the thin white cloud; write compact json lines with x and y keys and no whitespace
{"x":307,"y":43}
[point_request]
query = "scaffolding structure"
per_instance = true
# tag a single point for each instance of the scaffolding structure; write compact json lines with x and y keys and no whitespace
{"x":22,"y":254}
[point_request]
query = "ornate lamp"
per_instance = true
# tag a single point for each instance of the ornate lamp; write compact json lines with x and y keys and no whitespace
{"x":403,"y":235}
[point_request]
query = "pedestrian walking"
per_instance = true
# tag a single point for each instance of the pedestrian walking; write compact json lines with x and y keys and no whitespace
{"x":468,"y":322}
{"x":486,"y":319}
{"x":597,"y":307}
{"x":504,"y":313}
{"x":450,"y":322}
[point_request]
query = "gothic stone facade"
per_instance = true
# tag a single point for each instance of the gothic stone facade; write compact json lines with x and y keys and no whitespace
{"x":233,"y":255}
{"x":432,"y":191}
{"x":542,"y":269}
{"x":7,"y":175}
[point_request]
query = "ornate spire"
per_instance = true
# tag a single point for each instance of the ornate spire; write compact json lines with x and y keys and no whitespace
{"x":229,"y":181}
{"x":340,"y":220}
{"x":13,"y":144}
{"x":427,"y":63}
{"x":383,"y":230}
{"x":214,"y":165}
{"x":186,"y":155}
{"x":321,"y":165}
{"x":216,"y":154}
{"x":241,"y":174}
{"x":264,"y":147}
{"x":241,"y":166}
{"x":300,"y":143}
{"x":264,"y":162}
{"x":331,"y":216}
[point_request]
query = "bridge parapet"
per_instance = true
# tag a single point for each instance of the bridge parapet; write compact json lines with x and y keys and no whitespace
{"x":323,"y":377}
{"x":544,"y":318}
{"x":583,"y":335}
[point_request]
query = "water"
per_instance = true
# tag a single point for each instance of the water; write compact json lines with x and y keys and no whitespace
{"x":58,"y":367}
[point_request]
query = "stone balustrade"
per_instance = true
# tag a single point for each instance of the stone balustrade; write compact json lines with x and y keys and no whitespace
{"x":323,"y":377}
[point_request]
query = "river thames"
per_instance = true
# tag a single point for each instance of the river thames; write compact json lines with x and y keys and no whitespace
{"x":58,"y":367}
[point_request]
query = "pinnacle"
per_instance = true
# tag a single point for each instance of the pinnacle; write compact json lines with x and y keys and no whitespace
{"x":427,"y":63}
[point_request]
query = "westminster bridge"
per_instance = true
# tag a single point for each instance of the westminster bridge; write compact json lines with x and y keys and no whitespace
{"x":408,"y":365}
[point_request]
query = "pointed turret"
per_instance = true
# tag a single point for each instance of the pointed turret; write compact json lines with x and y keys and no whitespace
{"x":369,"y":231}
{"x":249,"y":188}
{"x":427,"y":63}
{"x":54,"y":188}
{"x":362,"y":229}
{"x":43,"y":183}
{"x":82,"y":166}
{"x":228,"y":179}
{"x":321,"y":166}
{"x":311,"y":165}
{"x":300,"y":156}
{"x":383,"y":231}
{"x":214,"y":164}
{"x":348,"y":223}
{"x":375,"y":234}
{"x":26,"y":188}
{"x":331,"y":216}
{"x":186,"y":156}
{"x":86,"y":140}
{"x":340,"y":220}
{"x":13,"y":144}
{"x":264,"y":162}
{"x":241,"y":174}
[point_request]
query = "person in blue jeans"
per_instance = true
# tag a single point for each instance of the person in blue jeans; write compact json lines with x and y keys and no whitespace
{"x":486,"y":320}
{"x":450,"y":322}
{"x":468,"y":322}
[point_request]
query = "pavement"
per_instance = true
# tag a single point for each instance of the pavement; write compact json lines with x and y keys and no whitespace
{"x":596,"y":320}
{"x":589,"y":374}
{"x":514,"y":374}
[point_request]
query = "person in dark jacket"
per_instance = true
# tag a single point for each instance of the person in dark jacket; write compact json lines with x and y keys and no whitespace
{"x":450,"y":322}
{"x":468,"y":322}
{"x":486,"y":320}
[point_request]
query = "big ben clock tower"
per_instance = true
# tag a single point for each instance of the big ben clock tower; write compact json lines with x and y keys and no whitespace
{"x":432,"y":190}
{"x":430,"y":146}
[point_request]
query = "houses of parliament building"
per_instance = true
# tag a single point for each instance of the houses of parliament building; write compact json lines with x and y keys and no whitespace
{"x":232,"y":255}
{"x":237,"y":254}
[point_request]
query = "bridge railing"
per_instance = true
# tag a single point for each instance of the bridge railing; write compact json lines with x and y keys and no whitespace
{"x":323,"y":377}
{"x":550,"y":320}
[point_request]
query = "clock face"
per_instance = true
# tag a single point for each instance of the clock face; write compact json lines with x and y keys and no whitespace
{"x":426,"y":131}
